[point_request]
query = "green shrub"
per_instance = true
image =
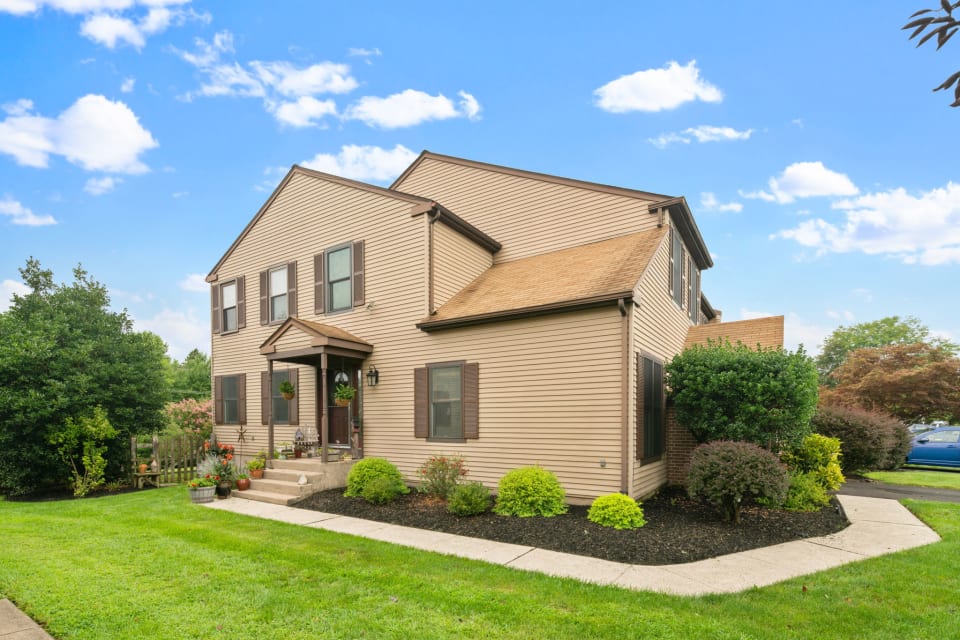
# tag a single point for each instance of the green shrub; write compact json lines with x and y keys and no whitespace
{"x":727,"y":474}
{"x":868,"y":441}
{"x":818,"y":455}
{"x":439,"y":475}
{"x":616,"y":510}
{"x":726,"y":392}
{"x":383,"y":489}
{"x":469,"y":499}
{"x":368,"y":469}
{"x":806,"y":493}
{"x":530,"y":491}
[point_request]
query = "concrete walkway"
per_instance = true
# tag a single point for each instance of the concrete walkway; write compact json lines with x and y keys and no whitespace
{"x":877,"y":527}
{"x":16,"y":625}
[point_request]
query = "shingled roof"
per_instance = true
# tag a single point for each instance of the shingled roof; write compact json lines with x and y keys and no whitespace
{"x":766,"y":332}
{"x":588,"y":275}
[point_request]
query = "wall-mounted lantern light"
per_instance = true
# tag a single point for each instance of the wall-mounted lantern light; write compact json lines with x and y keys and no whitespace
{"x":373,"y":377}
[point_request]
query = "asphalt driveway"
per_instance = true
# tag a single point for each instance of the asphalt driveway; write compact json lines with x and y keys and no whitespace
{"x":873,"y":489}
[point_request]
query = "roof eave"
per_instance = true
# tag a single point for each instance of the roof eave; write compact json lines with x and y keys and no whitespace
{"x":687,"y":226}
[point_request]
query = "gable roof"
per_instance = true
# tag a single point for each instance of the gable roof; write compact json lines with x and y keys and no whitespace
{"x":416,"y":201}
{"x":766,"y":332}
{"x":318,"y":337}
{"x":579,"y":277}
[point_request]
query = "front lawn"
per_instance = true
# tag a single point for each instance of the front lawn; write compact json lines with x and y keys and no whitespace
{"x":944,"y":479}
{"x":151,"y":565}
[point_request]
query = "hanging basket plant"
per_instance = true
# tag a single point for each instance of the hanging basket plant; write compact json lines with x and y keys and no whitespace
{"x":343,"y":395}
{"x":287,"y":390}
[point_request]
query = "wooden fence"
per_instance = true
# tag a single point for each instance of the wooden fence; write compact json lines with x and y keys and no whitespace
{"x":174,"y":458}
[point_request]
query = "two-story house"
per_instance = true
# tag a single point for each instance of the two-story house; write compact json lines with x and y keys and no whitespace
{"x":510,"y":317}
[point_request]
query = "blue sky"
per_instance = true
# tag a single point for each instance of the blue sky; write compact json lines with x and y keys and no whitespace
{"x":139,"y":137}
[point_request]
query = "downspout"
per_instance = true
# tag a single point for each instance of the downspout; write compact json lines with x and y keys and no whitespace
{"x":625,"y":395}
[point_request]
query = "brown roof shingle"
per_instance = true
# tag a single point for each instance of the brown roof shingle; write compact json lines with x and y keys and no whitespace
{"x":767,"y":332}
{"x":578,"y":276}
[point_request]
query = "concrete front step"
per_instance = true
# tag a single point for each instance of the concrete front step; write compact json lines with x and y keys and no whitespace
{"x":265,"y":496}
{"x":279,"y":484}
{"x":288,"y":487}
{"x":291,"y":475}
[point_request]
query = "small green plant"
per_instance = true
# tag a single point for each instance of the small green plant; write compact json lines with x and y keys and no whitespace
{"x":81,"y":444}
{"x":202,"y":481}
{"x":530,"y":491}
{"x":819,"y":455}
{"x":367,"y":470}
{"x":468,"y":499}
{"x":726,"y":474}
{"x":616,"y":510}
{"x":287,"y":389}
{"x":344,"y":393}
{"x":256,"y":463}
{"x":806,"y":493}
{"x":439,"y":475}
{"x":383,"y":489}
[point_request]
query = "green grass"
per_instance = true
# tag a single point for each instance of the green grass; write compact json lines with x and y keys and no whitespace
{"x":151,"y":565}
{"x":939,"y":479}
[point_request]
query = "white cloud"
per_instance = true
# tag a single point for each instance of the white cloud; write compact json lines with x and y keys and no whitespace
{"x":195,"y":282}
{"x":287,"y":80}
{"x":364,"y":162}
{"x":182,"y":331}
{"x":127,"y":86}
{"x":363,"y":53}
{"x":7,"y":289}
{"x":799,"y":331}
{"x":100,"y":186}
{"x":805,"y":180}
{"x":306,"y":111}
{"x":917,"y":229}
{"x":180,"y":194}
{"x":748,"y":314}
{"x":656,"y":89}
{"x":21,"y":215}
{"x":273,"y":176}
{"x":703,"y":133}
{"x":757,"y":195}
{"x":108,"y":30}
{"x":409,"y":108}
{"x":845,"y":316}
{"x":94,"y":133}
{"x":709,"y":202}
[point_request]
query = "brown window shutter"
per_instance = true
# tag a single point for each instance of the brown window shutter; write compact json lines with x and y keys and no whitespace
{"x":684,"y":276}
{"x":264,"y":397}
{"x":215,"y":308}
{"x":421,"y":404}
{"x":218,"y":399}
{"x":241,"y":304}
{"x":318,"y":289}
{"x":264,"y":298}
{"x":471,"y":400}
{"x":293,"y":377}
{"x":670,"y":271}
{"x":638,"y":389}
{"x":292,"y":290}
{"x":358,"y":284}
{"x":242,"y":398}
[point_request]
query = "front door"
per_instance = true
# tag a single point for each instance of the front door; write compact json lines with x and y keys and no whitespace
{"x":339,"y":417}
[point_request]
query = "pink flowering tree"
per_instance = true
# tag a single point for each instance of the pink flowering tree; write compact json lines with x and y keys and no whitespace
{"x":192,"y":416}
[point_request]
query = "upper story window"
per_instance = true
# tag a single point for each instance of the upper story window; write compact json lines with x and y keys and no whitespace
{"x":229,"y":295}
{"x":339,"y":288}
{"x":676,"y":267}
{"x":278,"y":294}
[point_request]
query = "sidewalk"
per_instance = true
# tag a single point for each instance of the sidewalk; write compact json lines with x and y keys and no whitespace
{"x":16,"y":625}
{"x":877,"y":527}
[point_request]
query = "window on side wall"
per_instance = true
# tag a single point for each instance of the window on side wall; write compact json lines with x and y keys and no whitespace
{"x":446,"y":407}
{"x":278,"y":294}
{"x":281,"y":406}
{"x":230,"y":399}
{"x":651,"y":424}
{"x":339,"y":285}
{"x":446,"y":401}
{"x":228,"y":294}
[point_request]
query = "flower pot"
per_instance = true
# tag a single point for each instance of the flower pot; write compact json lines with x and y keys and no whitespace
{"x":297,"y":453}
{"x":223,"y":490}
{"x":243,"y":484}
{"x":288,"y":396}
{"x":143,"y":468}
{"x":256,"y":474}
{"x":341,"y":402}
{"x":200,"y":495}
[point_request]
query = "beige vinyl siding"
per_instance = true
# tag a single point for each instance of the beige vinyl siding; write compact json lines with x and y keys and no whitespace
{"x":550,"y":386}
{"x":457,"y":261}
{"x":526,"y":215}
{"x":659,"y":330}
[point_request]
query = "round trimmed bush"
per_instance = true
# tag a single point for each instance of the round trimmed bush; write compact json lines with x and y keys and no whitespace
{"x":868,"y":440}
{"x":469,"y":499}
{"x":530,"y":491}
{"x":726,"y":474}
{"x":806,"y":493}
{"x":616,"y":510}
{"x":368,"y":469}
{"x":382,"y":489}
{"x":818,"y":455}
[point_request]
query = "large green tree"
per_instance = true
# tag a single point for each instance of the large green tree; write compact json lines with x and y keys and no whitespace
{"x":62,"y":354}
{"x":726,"y":392}
{"x":190,"y":378}
{"x":879,"y":333}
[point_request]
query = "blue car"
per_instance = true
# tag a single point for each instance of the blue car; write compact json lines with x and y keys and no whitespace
{"x":940,"y":448}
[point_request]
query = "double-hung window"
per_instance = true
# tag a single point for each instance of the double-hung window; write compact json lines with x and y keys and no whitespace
{"x":281,"y":406}
{"x":446,"y":402}
{"x":228,"y":293}
{"x":278,"y":294}
{"x":229,"y":399}
{"x":339,"y":289}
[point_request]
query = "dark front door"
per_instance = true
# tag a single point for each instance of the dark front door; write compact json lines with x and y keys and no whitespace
{"x":339,"y":417}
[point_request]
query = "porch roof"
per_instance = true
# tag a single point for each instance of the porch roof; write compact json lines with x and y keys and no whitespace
{"x":310,"y":339}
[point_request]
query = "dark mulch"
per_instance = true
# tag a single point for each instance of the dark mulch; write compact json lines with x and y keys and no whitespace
{"x":678,"y":529}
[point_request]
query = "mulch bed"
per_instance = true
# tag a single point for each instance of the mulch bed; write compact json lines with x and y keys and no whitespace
{"x":678,"y":528}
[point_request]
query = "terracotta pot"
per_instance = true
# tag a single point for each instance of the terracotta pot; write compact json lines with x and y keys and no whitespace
{"x":297,"y":453}
{"x":256,"y":474}
{"x":243,"y":483}
{"x":288,"y":396}
{"x":143,"y":468}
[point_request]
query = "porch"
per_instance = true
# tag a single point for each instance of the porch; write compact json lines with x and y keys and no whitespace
{"x":289,"y":481}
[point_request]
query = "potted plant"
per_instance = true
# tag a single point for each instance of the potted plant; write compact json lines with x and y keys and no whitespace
{"x":256,"y":467}
{"x":243,"y":482}
{"x":287,"y":390}
{"x":201,"y":489}
{"x":343,"y":395}
{"x":284,"y":450}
